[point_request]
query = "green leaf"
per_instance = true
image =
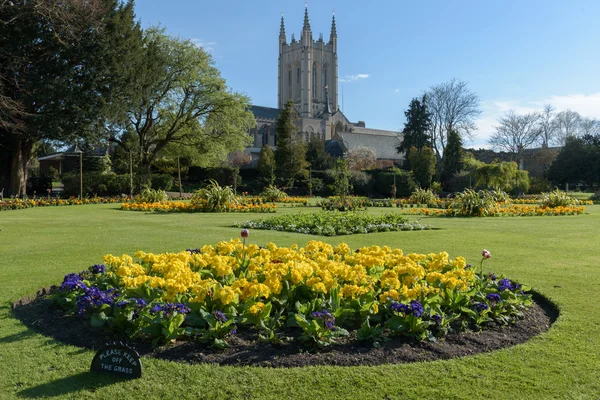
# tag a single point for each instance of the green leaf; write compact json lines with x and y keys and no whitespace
{"x":98,"y":320}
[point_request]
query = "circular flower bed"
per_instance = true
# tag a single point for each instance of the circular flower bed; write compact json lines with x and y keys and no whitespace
{"x":315,"y":295}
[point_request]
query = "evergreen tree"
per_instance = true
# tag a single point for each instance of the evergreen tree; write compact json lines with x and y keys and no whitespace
{"x":61,"y":72}
{"x":452,"y":161}
{"x":291,"y":150}
{"x":415,"y":133}
{"x":316,"y":155}
{"x":341,"y":180}
{"x":266,"y":164}
{"x":422,"y":164}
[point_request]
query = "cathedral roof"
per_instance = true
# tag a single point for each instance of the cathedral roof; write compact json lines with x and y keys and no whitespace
{"x":384,"y":146}
{"x":261,"y":112}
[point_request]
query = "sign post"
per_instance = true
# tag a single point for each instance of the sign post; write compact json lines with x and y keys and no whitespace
{"x":117,"y":359}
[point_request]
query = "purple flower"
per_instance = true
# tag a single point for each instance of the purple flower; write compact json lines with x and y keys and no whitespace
{"x":94,"y":297}
{"x":505,"y":284}
{"x":194,"y":251}
{"x":399,"y":307}
{"x":437,"y":318}
{"x":492,"y":276}
{"x":72,"y":282}
{"x":494,"y":297}
{"x":168,"y":309}
{"x":481,"y":307}
{"x":328,"y":319}
{"x":98,"y":269}
{"x":219,"y":316}
{"x":415,"y":308}
{"x":234,"y":331}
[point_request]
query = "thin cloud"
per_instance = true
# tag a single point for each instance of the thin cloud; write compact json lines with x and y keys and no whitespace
{"x":586,"y":105}
{"x":353,"y":78}
{"x":207,"y":46}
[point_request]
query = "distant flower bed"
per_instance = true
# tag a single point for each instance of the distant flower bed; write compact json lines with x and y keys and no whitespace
{"x":314,"y":294}
{"x":197,"y":206}
{"x":16,"y":204}
{"x":261,"y":200}
{"x":505,"y":210}
{"x":539,"y":201}
{"x":334,"y":223}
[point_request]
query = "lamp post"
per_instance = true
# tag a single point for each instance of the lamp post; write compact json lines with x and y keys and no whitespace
{"x":179,"y":178}
{"x":130,"y":174}
{"x":78,"y":150}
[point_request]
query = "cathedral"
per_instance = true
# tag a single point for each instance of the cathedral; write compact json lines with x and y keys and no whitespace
{"x":308,"y":75}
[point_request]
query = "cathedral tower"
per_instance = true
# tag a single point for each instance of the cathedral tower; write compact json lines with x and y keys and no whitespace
{"x":306,"y":68}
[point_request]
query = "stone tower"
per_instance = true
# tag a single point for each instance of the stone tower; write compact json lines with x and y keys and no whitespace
{"x":306,"y":67}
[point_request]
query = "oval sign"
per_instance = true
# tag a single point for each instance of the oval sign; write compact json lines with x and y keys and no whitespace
{"x":117,"y":359}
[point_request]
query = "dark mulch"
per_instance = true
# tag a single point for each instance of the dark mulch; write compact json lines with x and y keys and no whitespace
{"x":37,"y":313}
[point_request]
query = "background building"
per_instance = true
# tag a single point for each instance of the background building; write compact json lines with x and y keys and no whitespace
{"x":308,"y":75}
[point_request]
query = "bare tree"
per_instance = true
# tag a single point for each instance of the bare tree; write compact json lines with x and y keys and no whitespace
{"x":452,"y":106}
{"x":567,"y":124}
{"x":515,"y":133}
{"x":547,"y":124}
{"x":361,"y":158}
{"x":589,"y":126}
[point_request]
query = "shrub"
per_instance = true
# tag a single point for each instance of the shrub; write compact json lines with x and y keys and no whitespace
{"x":39,"y":184}
{"x":361,"y":182}
{"x":162,"y":182}
{"x":423,"y":196}
{"x":96,"y":184}
{"x":317,"y":185}
{"x":537,"y":185}
{"x":151,"y":196}
{"x":271,"y":193}
{"x":217,"y":198}
{"x":472,"y":204}
{"x":499,"y":196}
{"x":384,"y":179}
{"x":436,"y":187}
{"x":557,"y":198}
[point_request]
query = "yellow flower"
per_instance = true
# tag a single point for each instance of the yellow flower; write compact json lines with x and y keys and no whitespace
{"x":256,"y":308}
{"x":226,"y":295}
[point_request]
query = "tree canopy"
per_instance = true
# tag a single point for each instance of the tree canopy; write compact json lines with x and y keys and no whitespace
{"x":183,"y":101}
{"x":60,"y":73}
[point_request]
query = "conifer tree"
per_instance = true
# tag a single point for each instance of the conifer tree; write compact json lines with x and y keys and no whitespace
{"x":266,"y":164}
{"x":422,"y":163}
{"x":416,"y":127}
{"x":291,"y":150}
{"x":452,"y":160}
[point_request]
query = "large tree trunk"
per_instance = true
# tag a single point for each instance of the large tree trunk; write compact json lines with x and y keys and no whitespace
{"x":19,"y":166}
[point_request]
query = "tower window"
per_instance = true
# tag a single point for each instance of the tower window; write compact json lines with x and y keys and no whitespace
{"x":314,"y":81}
{"x":324,"y":79}
{"x":298,"y":75}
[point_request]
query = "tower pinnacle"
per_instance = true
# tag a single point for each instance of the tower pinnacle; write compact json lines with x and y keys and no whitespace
{"x":306,"y":26}
{"x":333,"y":29}
{"x":282,"y":29}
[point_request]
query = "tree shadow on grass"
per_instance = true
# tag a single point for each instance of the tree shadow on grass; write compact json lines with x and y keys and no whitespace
{"x":17,"y":337}
{"x":83,"y":381}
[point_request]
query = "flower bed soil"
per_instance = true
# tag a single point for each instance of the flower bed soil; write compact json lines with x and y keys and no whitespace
{"x":38,"y":314}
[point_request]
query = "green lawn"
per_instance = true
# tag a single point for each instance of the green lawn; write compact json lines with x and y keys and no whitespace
{"x":558,"y":256}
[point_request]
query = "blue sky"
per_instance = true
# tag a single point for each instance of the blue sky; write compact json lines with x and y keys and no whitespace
{"x":514,"y":54}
